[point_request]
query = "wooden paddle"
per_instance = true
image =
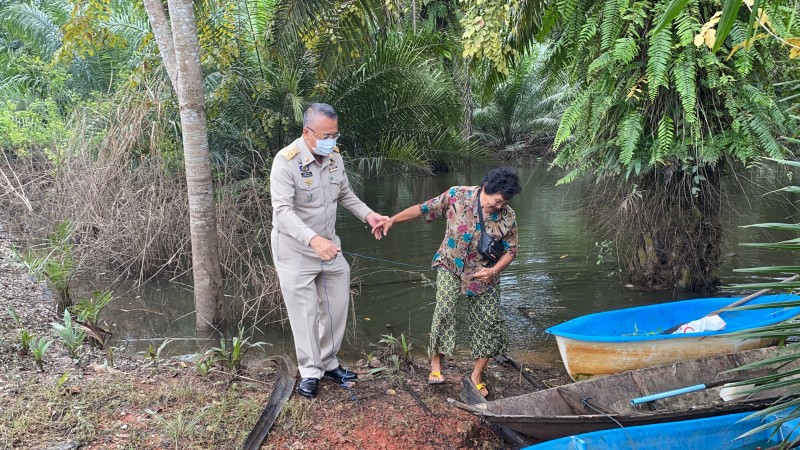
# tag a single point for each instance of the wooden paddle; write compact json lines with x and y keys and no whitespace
{"x":741,"y":301}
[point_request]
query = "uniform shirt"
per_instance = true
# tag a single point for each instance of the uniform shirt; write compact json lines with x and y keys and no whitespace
{"x":305,"y":193}
{"x":459,"y":250}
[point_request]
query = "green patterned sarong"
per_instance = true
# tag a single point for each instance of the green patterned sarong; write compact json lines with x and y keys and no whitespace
{"x":487,"y":336}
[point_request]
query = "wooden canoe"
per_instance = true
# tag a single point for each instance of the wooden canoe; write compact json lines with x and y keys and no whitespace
{"x":605,"y":402}
{"x":613,"y":341}
{"x":719,"y":433}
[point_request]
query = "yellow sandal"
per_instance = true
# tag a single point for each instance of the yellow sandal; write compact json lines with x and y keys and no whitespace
{"x":435,"y":378}
{"x":481,"y":387}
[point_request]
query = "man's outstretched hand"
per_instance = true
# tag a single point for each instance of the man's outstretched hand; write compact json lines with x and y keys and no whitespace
{"x":375,"y":221}
{"x":382,"y":229}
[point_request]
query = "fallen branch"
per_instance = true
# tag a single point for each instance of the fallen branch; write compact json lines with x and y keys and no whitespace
{"x":507,"y":360}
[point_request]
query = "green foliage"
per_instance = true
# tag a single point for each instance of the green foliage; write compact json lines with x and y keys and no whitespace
{"x":391,"y":369}
{"x":396,"y":350}
{"x":781,"y":331}
{"x":605,"y":250}
{"x":153,"y":355}
{"x":486,"y":24}
{"x":230,"y":357}
{"x":14,"y":316}
{"x":658,"y":59}
{"x":645,"y":98}
{"x":88,"y":310}
{"x":25,"y":337}
{"x":180,"y":428}
{"x":38,"y":347}
{"x":72,"y":335}
{"x":57,"y":264}
{"x":412,"y":124}
{"x":630,"y":130}
{"x":204,"y":365}
{"x":523,"y":108}
{"x":38,"y":125}
{"x":397,"y":345}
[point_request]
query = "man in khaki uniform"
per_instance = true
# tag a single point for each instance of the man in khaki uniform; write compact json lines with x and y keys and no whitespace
{"x":307,"y":183}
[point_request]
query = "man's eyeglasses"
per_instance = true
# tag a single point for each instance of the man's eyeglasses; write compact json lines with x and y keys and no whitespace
{"x":326,"y":136}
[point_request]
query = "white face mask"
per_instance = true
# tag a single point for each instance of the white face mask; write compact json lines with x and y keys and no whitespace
{"x":325,"y":146}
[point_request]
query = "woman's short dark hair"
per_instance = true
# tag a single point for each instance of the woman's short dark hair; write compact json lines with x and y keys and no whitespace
{"x":502,"y":180}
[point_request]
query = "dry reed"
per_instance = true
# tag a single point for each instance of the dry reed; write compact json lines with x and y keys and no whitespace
{"x":125,"y":194}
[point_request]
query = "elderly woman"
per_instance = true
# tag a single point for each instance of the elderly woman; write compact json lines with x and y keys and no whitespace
{"x":464,"y":270}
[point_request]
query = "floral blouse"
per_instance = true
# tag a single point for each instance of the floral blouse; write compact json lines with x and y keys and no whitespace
{"x":459,"y":252}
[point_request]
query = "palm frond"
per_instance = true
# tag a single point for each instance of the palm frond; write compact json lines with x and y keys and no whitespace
{"x":34,"y":26}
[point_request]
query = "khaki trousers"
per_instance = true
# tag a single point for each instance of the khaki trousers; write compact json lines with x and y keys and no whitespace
{"x":316,"y":295}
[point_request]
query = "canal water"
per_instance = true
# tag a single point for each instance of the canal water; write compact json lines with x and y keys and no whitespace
{"x":561,"y":271}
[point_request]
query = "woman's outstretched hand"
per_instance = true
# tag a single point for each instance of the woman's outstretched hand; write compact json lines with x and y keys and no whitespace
{"x":375,"y":220}
{"x":382,"y":228}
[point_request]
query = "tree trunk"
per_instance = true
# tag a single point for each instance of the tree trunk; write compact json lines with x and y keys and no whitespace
{"x":469,"y":106}
{"x":666,"y":227}
{"x":678,"y":242}
{"x":163,"y":34}
{"x":180,"y":51}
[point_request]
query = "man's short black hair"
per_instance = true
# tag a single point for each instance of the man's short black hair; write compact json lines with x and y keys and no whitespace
{"x":317,"y":109}
{"x":502,"y":180}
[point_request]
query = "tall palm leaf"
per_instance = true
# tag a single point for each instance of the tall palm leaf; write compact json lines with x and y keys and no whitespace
{"x":522,"y":108}
{"x":38,"y":24}
{"x":397,"y":102}
{"x":781,"y":331}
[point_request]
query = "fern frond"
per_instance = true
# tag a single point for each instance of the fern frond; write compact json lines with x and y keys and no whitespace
{"x":601,"y":62}
{"x":687,"y":25}
{"x":573,"y":175}
{"x":588,"y":32}
{"x":628,"y":135}
{"x":764,"y":135}
{"x":625,"y":49}
{"x":612,"y":23}
{"x":684,"y":73}
{"x":571,"y":116}
{"x":658,"y":57}
{"x":664,"y":139}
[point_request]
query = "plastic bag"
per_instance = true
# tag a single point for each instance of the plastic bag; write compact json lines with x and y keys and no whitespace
{"x":708,"y":323}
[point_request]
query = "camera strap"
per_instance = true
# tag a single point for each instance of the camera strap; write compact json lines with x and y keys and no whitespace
{"x":480,"y":213}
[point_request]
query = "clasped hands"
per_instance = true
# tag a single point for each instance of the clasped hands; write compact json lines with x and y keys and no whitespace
{"x":381,"y":228}
{"x":325,"y":248}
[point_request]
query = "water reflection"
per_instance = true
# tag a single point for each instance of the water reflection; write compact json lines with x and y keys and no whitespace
{"x":556,"y":275}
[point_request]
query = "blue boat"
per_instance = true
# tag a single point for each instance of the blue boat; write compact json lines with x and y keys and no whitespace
{"x":718,"y":433}
{"x":626,"y":339}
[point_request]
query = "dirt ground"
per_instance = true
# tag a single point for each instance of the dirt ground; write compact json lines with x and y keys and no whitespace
{"x":130,"y":402}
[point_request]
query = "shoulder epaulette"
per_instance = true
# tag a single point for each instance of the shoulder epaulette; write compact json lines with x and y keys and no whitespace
{"x":336,"y":149}
{"x":289,"y":152}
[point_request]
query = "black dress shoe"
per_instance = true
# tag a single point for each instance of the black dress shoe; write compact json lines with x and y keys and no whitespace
{"x":308,"y":387}
{"x":341,"y":374}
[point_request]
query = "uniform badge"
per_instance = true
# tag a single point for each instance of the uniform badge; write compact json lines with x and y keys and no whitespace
{"x":309,"y":181}
{"x":333,"y":169}
{"x":304,"y":172}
